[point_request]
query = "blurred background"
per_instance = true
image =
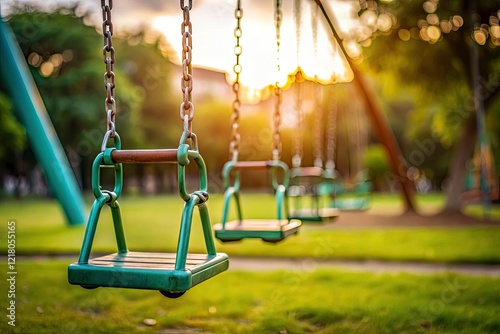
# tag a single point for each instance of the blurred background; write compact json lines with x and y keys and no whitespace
{"x":415,"y":58}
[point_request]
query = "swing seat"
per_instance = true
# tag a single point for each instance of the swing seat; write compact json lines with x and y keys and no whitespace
{"x":153,"y":271}
{"x":171,"y":273}
{"x":267,"y":230}
{"x":308,"y":181}
{"x":313,"y":215}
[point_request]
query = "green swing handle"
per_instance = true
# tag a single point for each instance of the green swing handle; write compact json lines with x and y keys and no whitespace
{"x":100,"y":161}
{"x":274,"y":165}
{"x":144,"y":156}
{"x":181,"y":156}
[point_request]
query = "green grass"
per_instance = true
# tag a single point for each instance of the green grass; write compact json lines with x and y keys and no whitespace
{"x":151,"y":223}
{"x":313,"y":301}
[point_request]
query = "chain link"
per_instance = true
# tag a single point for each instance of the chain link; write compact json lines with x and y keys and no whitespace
{"x":278,"y":15}
{"x":189,"y":5}
{"x":235,"y":117}
{"x":187,"y":107}
{"x":297,"y":11}
{"x":276,"y":149}
{"x":276,"y":124}
{"x":108,"y":54}
{"x":314,"y":24}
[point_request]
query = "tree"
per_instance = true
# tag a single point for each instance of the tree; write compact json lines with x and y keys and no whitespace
{"x":12,"y":137}
{"x":67,"y":70}
{"x":428,"y":44}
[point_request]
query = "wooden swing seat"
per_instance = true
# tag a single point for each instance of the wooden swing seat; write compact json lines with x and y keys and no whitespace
{"x":153,"y":271}
{"x":269,"y":230}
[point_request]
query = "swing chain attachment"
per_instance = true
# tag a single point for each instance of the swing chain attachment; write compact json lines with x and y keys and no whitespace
{"x":108,"y":53}
{"x":183,"y":5}
{"x":187,"y":107}
{"x":276,"y":149}
{"x":235,"y":117}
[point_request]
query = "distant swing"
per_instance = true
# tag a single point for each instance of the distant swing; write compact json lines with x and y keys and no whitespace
{"x":269,"y":230}
{"x":306,"y":182}
{"x":352,"y":192}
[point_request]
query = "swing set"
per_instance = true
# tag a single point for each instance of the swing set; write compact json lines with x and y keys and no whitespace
{"x":175,"y":273}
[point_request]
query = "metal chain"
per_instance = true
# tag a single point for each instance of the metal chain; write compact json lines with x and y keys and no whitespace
{"x":314,"y":24}
{"x":297,"y":153}
{"x":297,"y":10}
{"x":235,"y":117}
{"x":276,"y":149}
{"x":318,"y":129}
{"x":331,"y":134}
{"x":187,"y":107}
{"x":108,"y":53}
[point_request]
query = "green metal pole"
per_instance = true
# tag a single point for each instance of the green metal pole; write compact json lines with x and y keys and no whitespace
{"x":31,"y":112}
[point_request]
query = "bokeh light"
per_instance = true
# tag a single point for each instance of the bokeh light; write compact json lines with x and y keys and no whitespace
{"x":404,"y":34}
{"x":46,"y":69}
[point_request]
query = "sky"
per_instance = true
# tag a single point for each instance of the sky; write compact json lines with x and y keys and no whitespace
{"x":213,"y":38}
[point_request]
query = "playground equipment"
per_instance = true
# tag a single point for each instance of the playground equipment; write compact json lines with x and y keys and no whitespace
{"x":270,"y":230}
{"x":397,"y":161}
{"x":487,"y":184}
{"x":171,"y":273}
{"x":306,"y":182}
{"x":475,"y":183}
{"x":354,"y":191}
{"x":31,"y":112}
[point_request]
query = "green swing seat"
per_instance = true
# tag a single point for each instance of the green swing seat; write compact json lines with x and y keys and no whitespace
{"x":306,"y":181}
{"x":356,"y":197}
{"x":170,"y":273}
{"x":269,"y":230}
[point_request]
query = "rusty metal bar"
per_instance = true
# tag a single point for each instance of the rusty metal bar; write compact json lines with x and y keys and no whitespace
{"x":253,"y":164}
{"x":306,"y":172}
{"x":144,"y":156}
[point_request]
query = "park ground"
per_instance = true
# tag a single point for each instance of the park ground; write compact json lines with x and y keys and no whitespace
{"x":302,"y":294}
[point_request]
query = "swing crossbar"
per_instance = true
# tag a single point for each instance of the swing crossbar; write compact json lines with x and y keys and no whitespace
{"x":253,"y":164}
{"x":145,"y":156}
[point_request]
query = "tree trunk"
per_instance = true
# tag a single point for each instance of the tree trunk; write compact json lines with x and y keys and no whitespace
{"x":397,"y":161}
{"x":463,"y":150}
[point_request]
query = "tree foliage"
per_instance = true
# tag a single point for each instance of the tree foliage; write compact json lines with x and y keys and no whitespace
{"x":421,"y":51}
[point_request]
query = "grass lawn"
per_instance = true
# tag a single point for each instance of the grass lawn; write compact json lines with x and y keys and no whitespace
{"x":316,"y":301}
{"x":151,"y":223}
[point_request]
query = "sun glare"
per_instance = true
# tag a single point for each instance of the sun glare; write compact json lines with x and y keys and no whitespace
{"x":318,"y":57}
